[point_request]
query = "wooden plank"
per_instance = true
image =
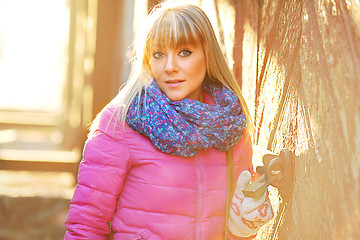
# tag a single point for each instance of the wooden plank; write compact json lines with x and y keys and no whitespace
{"x":39,"y":160}
{"x":17,"y":165}
{"x":39,"y":155}
{"x":30,"y":118}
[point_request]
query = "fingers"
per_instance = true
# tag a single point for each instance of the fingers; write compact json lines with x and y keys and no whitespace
{"x":262,"y":213}
{"x":250,"y":204}
{"x":243,"y":180}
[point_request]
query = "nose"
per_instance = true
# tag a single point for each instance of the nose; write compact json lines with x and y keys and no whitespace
{"x":171,"y":64}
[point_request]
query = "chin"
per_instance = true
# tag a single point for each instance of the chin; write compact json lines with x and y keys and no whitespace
{"x":176,"y":98}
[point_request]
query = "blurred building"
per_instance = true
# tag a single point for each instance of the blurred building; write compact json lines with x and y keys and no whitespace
{"x":61,"y":63}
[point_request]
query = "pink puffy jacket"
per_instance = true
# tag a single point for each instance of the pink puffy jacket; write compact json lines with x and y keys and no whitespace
{"x":147,"y":194}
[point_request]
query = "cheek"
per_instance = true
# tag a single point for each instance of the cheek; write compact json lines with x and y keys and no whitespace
{"x":198,"y":68}
{"x":154,"y":68}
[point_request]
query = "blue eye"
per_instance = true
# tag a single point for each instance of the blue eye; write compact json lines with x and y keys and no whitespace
{"x":185,"y":53}
{"x":158,"y":55}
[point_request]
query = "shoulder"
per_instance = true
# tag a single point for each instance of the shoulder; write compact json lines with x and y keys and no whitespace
{"x":106,"y":143}
{"x":108,"y":121}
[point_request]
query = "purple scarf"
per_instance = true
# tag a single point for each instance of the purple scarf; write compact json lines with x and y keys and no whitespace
{"x":183,"y":127}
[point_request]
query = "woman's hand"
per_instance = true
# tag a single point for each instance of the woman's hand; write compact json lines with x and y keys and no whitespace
{"x":248,"y":214}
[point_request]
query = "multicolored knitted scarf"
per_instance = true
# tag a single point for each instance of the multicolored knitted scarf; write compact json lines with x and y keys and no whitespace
{"x":183,"y":127}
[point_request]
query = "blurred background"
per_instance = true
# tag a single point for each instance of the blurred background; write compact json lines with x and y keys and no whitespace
{"x":297,"y":61}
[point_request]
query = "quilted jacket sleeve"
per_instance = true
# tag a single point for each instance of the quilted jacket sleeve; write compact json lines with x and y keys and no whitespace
{"x":101,"y":175}
{"x":243,"y":155}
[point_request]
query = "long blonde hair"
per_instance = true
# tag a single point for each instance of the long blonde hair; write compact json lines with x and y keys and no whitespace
{"x":172,"y":24}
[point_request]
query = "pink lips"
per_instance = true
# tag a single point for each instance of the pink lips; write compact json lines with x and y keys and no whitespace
{"x":174,"y":82}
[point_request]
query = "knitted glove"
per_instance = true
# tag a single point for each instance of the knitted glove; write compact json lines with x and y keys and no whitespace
{"x":248,"y":214}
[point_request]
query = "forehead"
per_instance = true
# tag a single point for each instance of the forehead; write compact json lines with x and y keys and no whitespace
{"x":173,"y":30}
{"x":169,"y":47}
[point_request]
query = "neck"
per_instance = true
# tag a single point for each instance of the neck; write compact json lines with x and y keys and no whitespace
{"x":201,"y":97}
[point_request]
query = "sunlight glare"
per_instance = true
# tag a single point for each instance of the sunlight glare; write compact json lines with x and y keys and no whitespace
{"x":33,"y":54}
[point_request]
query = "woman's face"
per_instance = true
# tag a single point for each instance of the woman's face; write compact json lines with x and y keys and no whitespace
{"x":180,"y":71}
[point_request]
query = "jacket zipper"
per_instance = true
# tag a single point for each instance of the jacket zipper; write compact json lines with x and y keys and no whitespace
{"x":200,"y":200}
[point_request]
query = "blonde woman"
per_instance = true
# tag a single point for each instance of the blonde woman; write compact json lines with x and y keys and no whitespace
{"x":155,"y":162}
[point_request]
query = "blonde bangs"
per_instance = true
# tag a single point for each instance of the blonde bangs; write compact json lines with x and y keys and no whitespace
{"x":172,"y":30}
